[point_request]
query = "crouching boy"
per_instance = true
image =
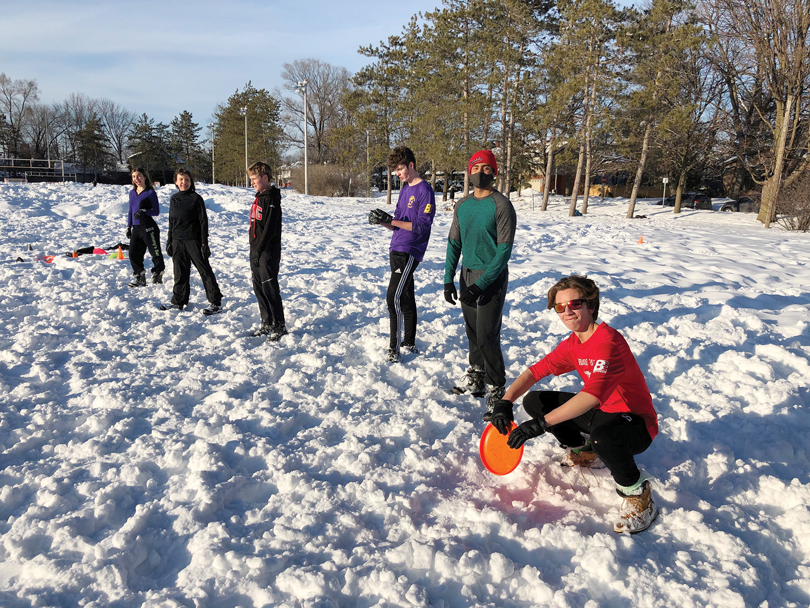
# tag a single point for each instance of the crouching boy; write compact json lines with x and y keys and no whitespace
{"x":609,"y":421}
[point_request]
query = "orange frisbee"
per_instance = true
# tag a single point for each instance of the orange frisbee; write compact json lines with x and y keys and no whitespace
{"x":498,"y":458}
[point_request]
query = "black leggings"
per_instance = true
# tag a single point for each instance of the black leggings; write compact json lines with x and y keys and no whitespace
{"x":615,"y":437}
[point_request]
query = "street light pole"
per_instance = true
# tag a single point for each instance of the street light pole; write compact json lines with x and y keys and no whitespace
{"x":368,"y":168}
{"x":247,"y":179}
{"x":302,"y":88}
{"x":213,"y":174}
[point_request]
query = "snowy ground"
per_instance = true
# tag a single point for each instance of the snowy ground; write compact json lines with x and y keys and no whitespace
{"x":157,"y":459}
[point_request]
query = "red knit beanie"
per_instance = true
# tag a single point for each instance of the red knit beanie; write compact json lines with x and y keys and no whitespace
{"x":483,"y":156}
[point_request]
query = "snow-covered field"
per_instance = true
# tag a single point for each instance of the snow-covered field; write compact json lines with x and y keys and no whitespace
{"x":152,"y":458}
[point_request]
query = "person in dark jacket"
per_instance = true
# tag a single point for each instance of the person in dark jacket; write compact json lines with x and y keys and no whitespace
{"x":142,"y":231}
{"x":265,"y":251}
{"x":187,"y":243}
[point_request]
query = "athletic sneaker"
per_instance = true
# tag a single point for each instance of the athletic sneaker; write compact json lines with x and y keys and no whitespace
{"x":212,"y":310}
{"x":276,"y":333}
{"x":263,"y":330}
{"x":171,"y":306}
{"x":139,"y":280}
{"x":157,"y":278}
{"x":638,"y":509}
{"x":583,"y":457}
{"x":471,"y":382}
{"x":392,"y":356}
{"x":493,"y":394}
{"x":410,"y":348}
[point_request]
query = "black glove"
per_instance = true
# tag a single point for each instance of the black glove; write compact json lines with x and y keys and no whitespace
{"x":206,"y":252}
{"x":129,"y":233}
{"x":378,"y":216}
{"x":531,"y":428}
{"x":450,"y":293}
{"x":139,"y":214}
{"x":502,"y":416}
{"x":169,"y":248}
{"x":470,"y":295}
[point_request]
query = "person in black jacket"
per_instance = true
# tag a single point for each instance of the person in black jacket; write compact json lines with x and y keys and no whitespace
{"x":265,"y":251}
{"x":187,"y":243}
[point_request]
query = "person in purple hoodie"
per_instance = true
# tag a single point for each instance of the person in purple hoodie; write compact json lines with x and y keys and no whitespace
{"x":411,"y":223}
{"x":142,"y":230}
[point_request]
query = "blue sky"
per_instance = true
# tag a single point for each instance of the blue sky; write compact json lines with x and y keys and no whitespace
{"x":165,"y":57}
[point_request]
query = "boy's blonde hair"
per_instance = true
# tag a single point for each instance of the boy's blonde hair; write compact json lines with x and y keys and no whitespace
{"x":260,"y":168}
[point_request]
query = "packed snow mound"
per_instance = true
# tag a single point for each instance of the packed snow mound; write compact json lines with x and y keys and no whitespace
{"x":153,"y":458}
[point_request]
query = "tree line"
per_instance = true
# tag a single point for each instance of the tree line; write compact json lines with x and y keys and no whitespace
{"x":710,"y":92}
{"x":713,"y":92}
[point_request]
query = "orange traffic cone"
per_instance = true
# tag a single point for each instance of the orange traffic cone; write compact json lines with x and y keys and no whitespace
{"x":641,"y":239}
{"x":75,"y":254}
{"x":120,"y":253}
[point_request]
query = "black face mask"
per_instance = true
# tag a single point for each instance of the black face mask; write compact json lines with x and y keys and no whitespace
{"x":481,"y":179}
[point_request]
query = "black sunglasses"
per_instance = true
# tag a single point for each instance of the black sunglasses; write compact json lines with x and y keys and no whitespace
{"x":572,"y":304}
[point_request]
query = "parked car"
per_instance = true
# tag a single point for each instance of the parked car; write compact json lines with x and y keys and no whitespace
{"x":745,"y":204}
{"x":691,"y":200}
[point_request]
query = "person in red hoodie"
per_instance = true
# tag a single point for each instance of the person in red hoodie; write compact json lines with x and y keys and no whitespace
{"x":265,"y":251}
{"x":609,"y":421}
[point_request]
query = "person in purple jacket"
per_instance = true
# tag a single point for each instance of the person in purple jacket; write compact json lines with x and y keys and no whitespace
{"x":411,"y":223}
{"x":142,"y":230}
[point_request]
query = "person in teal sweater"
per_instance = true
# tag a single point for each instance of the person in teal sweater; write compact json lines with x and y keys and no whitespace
{"x":481,"y":235}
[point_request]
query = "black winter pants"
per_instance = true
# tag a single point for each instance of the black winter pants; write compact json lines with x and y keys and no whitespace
{"x":186,"y":253}
{"x":145,"y":236}
{"x":483,"y":324}
{"x":264,"y":267}
{"x":401,"y":300}
{"x":615,"y":437}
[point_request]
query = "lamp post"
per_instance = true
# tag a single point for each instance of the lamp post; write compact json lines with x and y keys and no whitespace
{"x":213,"y":174}
{"x":368,"y":168}
{"x":302,"y":88}
{"x":243,"y":112}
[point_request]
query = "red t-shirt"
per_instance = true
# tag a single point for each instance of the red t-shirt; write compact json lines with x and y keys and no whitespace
{"x":609,"y":370}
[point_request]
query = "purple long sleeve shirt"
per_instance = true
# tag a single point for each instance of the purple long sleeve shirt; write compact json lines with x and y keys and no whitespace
{"x":417,"y":205}
{"x":146,"y":200}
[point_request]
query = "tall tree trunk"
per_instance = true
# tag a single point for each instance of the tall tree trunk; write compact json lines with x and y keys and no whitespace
{"x":679,"y":192}
{"x":645,"y":148}
{"x":549,"y":165}
{"x":770,"y":191}
{"x":588,"y":142}
{"x":575,"y":192}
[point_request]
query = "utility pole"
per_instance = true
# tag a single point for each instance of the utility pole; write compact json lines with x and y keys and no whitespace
{"x":302,"y":88}
{"x":243,"y":111}
{"x":368,"y":168}
{"x":213,"y":174}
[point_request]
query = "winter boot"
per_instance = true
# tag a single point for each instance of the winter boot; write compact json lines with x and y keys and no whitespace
{"x":493,"y":394}
{"x":410,"y":349}
{"x":392,"y":356}
{"x":472,"y":382}
{"x":583,"y":457}
{"x":171,"y":307}
{"x":263,"y":330}
{"x":139,"y":280}
{"x":638,"y":509}
{"x":276,"y":333}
